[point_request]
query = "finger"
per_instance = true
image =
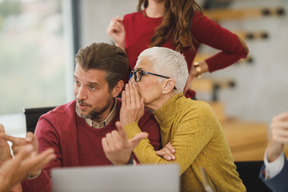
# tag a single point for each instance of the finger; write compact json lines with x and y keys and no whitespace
{"x":281,"y":117}
{"x":160,"y":153}
{"x":23,"y":152}
{"x":168,"y":153}
{"x":118,"y":26}
{"x":110,"y":142}
{"x":138,"y":138}
{"x":14,"y":140}
{"x":105,"y":145}
{"x":29,"y":137}
{"x":132,"y":96}
{"x":123,"y":98}
{"x":38,"y":161}
{"x":279,"y":125}
{"x":136,"y":92}
{"x":121,"y":131}
{"x":118,"y":18}
{"x":170,"y":147}
{"x":2,"y":130}
{"x":127,"y":96}
{"x":119,"y":142}
{"x":138,"y":99}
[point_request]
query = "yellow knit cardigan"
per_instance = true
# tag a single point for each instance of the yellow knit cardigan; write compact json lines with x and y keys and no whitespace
{"x":199,"y":141}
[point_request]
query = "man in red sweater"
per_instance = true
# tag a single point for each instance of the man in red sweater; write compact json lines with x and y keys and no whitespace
{"x":75,"y":130}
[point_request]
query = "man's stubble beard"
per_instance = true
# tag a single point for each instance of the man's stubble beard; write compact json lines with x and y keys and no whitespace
{"x":94,"y":113}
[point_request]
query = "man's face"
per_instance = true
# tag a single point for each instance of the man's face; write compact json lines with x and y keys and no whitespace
{"x":149,"y":87}
{"x":94,"y":100}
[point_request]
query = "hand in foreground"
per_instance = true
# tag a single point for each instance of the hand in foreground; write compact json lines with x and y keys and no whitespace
{"x":167,"y":152}
{"x":278,"y":136}
{"x":117,"y":147}
{"x":132,"y":108}
{"x":4,"y":147}
{"x":116,"y":31}
{"x":14,"y":170}
{"x":18,"y":143}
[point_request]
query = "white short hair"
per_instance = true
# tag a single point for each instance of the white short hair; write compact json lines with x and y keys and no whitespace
{"x":169,"y":63}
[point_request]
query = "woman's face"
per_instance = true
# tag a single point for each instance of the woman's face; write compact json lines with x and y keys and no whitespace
{"x":149,"y":86}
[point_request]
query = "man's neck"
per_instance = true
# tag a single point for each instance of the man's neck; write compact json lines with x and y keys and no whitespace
{"x":155,"y":9}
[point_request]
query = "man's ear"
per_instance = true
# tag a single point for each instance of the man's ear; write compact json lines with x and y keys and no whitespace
{"x":117,"y":89}
{"x":168,"y":86}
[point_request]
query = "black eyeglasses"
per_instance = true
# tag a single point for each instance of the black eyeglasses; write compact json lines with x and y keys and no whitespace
{"x":139,"y":73}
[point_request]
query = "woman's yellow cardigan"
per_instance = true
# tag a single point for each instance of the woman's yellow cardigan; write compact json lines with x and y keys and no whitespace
{"x":199,"y":141}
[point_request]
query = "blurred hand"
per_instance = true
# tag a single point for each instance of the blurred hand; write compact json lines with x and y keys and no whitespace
{"x":116,"y":31}
{"x":278,"y":136}
{"x":18,"y":143}
{"x":15,"y":170}
{"x":5,"y":153}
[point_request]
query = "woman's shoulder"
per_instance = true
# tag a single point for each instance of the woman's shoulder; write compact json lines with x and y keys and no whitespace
{"x":133,"y":15}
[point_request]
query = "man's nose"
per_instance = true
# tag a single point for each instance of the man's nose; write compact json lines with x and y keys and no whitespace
{"x":82,"y":93}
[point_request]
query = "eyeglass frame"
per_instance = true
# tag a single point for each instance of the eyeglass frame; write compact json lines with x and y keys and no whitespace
{"x":133,"y":72}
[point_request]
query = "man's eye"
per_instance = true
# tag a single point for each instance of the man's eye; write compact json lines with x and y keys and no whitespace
{"x":77,"y":82}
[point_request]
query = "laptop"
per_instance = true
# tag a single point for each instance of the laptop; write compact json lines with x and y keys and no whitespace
{"x":140,"y":178}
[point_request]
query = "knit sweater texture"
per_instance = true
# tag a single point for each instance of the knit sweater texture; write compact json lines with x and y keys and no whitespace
{"x":199,"y":141}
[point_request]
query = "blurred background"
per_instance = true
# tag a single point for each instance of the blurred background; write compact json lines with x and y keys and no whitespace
{"x":39,"y":38}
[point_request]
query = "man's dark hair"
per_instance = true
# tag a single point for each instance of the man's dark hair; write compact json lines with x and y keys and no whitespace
{"x":106,"y":57}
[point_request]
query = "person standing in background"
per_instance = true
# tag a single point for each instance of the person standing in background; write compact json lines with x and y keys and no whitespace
{"x":274,"y":172}
{"x":181,"y":26}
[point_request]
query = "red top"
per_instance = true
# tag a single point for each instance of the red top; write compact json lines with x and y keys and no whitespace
{"x":139,"y":30}
{"x":75,"y":143}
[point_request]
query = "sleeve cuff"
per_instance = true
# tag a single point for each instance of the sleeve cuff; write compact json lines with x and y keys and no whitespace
{"x":273,"y":168}
{"x":31,"y":177}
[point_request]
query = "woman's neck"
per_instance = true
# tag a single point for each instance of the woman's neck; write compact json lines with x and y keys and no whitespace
{"x":157,"y":104}
{"x":155,"y":8}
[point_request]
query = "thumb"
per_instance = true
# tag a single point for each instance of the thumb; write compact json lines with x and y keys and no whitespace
{"x":138,"y":138}
{"x":2,"y":130}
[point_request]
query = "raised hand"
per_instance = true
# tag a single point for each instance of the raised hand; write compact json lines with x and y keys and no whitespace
{"x":278,"y":136}
{"x":117,"y":147}
{"x":116,"y":31}
{"x":14,"y":170}
{"x":18,"y":143}
{"x":132,"y":108}
{"x":4,"y":147}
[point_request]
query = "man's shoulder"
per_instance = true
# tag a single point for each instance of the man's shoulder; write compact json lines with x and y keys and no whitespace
{"x":67,"y":109}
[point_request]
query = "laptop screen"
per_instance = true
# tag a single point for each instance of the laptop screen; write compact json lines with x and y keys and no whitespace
{"x":141,"y":178}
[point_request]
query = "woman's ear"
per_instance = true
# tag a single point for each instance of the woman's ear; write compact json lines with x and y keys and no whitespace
{"x":168,"y":86}
{"x":117,"y":89}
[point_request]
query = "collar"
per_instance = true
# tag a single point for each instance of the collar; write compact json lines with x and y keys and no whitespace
{"x":168,"y":111}
{"x":106,"y":121}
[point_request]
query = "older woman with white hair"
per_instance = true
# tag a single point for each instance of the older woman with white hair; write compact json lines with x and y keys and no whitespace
{"x":157,"y":82}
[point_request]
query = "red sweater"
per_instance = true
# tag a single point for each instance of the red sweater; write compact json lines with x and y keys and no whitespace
{"x":139,"y":30}
{"x":76,"y":143}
